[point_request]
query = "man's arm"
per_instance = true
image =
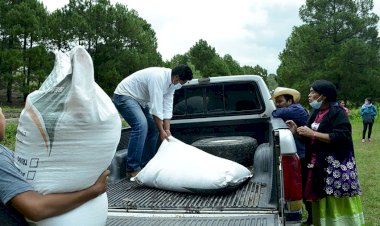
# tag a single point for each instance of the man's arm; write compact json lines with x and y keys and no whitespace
{"x":36,"y":207}
{"x":167,"y":127}
{"x":160,"y":126}
{"x":282,"y":112}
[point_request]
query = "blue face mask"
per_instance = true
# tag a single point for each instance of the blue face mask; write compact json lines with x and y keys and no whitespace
{"x":316,"y":104}
{"x":174,"y":87}
{"x":178,"y":86}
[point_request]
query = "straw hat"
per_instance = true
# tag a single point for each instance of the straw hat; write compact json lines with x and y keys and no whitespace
{"x":283,"y":91}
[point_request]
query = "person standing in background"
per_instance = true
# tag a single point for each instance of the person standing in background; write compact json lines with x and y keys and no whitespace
{"x":343,"y":105}
{"x":368,"y":113}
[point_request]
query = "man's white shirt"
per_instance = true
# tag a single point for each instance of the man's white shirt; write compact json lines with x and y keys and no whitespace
{"x":151,"y":86}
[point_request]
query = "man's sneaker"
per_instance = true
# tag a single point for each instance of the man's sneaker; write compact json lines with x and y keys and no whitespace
{"x":369,"y":139}
{"x":363,"y":140}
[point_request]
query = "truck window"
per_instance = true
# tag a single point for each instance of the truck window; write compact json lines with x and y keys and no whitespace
{"x":241,"y":97}
{"x":188,"y":101}
{"x":217,"y":99}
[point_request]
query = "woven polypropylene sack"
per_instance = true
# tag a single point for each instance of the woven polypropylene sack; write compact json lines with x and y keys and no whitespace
{"x":69,"y":129}
{"x":181,"y":167}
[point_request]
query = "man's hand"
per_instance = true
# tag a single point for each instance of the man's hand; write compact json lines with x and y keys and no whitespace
{"x":100,"y":185}
{"x":162,"y":128}
{"x":164,"y":135}
{"x":292,"y":126}
{"x":168,"y":132}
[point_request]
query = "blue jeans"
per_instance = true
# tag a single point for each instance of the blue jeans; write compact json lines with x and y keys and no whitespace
{"x":144,"y":134}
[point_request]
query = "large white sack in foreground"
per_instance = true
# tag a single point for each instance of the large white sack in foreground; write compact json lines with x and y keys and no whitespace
{"x":181,"y":167}
{"x":91,"y":213}
{"x":69,"y":129}
{"x":68,"y":132}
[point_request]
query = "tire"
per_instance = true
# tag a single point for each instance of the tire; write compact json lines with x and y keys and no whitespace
{"x":239,"y":149}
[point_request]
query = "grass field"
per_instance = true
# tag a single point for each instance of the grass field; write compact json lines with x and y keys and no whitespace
{"x":367,"y":158}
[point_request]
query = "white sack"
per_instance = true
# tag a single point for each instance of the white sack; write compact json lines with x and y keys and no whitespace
{"x":69,"y":129}
{"x":67,"y":135}
{"x":181,"y":167}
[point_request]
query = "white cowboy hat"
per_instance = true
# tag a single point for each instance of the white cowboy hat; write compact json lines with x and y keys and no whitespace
{"x":283,"y":91}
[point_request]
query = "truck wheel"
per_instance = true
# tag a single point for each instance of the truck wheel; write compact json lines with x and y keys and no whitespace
{"x":239,"y":149}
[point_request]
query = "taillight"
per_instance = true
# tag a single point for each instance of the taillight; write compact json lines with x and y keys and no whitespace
{"x":291,"y":166}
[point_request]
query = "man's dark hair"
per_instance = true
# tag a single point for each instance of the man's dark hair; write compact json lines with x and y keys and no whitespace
{"x":183,"y":71}
{"x":369,"y":99}
{"x":288,"y":97}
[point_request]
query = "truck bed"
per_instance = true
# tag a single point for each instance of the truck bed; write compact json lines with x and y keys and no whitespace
{"x":240,"y":207}
{"x":254,"y":194}
{"x":131,"y":196}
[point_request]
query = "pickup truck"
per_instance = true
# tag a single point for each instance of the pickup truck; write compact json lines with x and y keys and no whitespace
{"x":230,"y":117}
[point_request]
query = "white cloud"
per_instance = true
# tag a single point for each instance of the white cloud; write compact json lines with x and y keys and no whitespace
{"x":247,"y":30}
{"x":251,"y":31}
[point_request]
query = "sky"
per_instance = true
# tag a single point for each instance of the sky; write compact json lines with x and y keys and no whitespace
{"x":253,"y":32}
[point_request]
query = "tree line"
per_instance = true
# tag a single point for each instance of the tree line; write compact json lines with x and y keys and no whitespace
{"x":337,"y":41}
{"x":118,"y":40}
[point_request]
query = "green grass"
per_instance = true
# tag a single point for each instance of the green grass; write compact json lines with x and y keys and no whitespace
{"x":367,"y":158}
{"x":10,"y":135}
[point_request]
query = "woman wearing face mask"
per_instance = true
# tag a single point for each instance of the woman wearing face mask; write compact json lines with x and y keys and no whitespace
{"x":368,"y":113}
{"x":332,"y":182}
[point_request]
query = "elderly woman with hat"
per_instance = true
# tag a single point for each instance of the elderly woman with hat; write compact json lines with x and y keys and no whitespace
{"x":332,"y":181}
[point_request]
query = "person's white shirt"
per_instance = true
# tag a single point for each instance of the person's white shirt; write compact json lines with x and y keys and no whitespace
{"x":153,"y":87}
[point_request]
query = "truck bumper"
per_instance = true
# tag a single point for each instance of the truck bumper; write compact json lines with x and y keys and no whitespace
{"x":131,"y":219}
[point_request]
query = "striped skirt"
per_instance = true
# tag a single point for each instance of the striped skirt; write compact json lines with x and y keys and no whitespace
{"x":332,"y":211}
